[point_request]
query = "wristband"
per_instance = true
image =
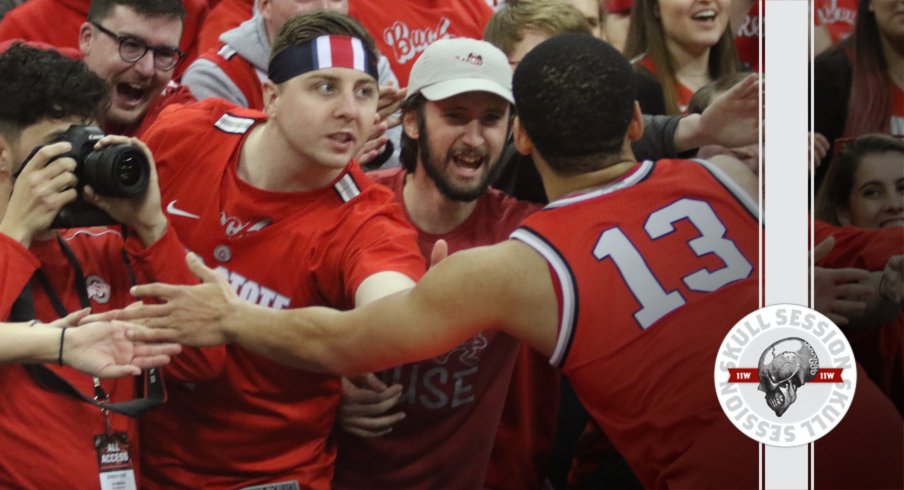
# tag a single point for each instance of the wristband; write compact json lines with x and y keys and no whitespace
{"x":62,"y":342}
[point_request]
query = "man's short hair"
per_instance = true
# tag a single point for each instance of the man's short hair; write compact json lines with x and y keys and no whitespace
{"x":409,"y":146}
{"x":506,"y":27}
{"x":575,"y":98}
{"x":38,"y":84}
{"x":100,"y":9}
{"x":310,"y":25}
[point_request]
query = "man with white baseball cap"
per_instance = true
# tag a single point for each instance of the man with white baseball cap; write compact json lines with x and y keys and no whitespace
{"x":432,"y":424}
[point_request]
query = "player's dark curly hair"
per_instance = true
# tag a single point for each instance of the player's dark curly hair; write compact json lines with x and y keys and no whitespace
{"x":575,"y":99}
{"x":100,"y":9}
{"x":36,"y":84}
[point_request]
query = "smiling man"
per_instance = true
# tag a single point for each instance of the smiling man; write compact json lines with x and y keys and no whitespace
{"x":287,"y":216}
{"x":134,"y":46}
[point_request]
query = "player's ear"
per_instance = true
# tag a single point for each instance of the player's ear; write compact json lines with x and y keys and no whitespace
{"x":635,"y":127}
{"x":6,"y":156}
{"x":523,"y":143}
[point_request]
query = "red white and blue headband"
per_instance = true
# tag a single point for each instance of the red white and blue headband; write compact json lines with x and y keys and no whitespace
{"x":329,"y":51}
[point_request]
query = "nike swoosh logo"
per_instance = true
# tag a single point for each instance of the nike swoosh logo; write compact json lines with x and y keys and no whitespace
{"x":172,"y":209}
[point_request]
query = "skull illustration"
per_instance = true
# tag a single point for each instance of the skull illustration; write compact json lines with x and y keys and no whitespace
{"x":784,"y":367}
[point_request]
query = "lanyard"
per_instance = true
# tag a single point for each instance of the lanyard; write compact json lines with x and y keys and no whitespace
{"x":152,"y":389}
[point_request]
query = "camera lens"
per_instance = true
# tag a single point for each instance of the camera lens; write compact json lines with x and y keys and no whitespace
{"x":118,"y":170}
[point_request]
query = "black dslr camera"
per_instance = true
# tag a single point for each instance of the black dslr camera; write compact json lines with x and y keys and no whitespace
{"x":114,"y":170}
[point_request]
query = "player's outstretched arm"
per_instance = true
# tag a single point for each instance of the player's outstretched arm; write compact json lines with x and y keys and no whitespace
{"x":506,"y":285}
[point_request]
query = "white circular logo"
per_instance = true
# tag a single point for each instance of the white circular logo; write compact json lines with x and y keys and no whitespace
{"x":98,"y":289}
{"x":785,"y":375}
{"x":222,"y":253}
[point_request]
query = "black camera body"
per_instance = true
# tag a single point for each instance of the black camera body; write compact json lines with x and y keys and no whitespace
{"x":114,"y":170}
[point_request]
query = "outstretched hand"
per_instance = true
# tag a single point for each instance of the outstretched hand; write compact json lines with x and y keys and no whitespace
{"x":189,"y":315}
{"x":732,"y":119}
{"x":103,"y":348}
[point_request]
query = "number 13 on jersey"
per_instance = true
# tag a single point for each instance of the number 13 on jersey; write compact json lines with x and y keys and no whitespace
{"x":655,"y":301}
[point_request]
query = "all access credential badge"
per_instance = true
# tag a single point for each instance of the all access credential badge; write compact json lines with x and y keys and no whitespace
{"x":785,"y":375}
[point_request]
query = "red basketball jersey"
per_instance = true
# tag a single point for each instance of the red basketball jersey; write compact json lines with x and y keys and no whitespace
{"x":651,"y":272}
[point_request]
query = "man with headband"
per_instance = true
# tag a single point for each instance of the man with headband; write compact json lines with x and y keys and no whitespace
{"x":274,"y":202}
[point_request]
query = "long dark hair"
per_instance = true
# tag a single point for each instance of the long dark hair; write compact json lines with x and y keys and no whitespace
{"x":869,"y":104}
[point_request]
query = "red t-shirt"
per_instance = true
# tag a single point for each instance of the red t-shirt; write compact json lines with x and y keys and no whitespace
{"x":452,"y":402}
{"x":405,"y":30}
{"x":643,"y":314}
{"x":224,"y":16}
{"x":240,"y":419}
{"x":682,"y":93}
{"x":50,"y":436}
{"x":747,"y":38}
{"x":31,"y":21}
{"x":838,"y":16}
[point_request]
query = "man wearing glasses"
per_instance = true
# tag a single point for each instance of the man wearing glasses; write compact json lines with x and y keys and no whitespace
{"x":133,"y":45}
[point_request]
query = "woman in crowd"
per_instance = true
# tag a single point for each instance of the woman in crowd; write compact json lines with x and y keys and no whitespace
{"x":684,"y":44}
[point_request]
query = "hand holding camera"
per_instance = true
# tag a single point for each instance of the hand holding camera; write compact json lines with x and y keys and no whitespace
{"x":44,"y":184}
{"x":129,"y":194}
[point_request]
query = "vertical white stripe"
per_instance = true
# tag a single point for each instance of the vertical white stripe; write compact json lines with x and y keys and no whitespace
{"x":566,"y":282}
{"x":324,"y":53}
{"x":786,"y":177}
{"x":358,"y":53}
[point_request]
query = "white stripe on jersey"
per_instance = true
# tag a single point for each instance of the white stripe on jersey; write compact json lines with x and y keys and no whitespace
{"x":234,"y":124}
{"x":347,"y":188}
{"x":566,"y":281}
{"x":732,"y":186}
{"x":226,"y":51}
{"x":632,"y":179}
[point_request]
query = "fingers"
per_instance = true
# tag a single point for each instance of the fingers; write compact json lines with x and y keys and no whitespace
{"x":368,"y":380}
{"x":197,"y":267}
{"x":118,"y":371}
{"x":845,"y":307}
{"x":850,"y":274}
{"x":370,"y":427}
{"x":440,"y":251}
{"x":153,"y":290}
{"x":147,"y":362}
{"x":152,"y":335}
{"x":39,"y":160}
{"x":366,"y":399}
{"x":823,"y":248}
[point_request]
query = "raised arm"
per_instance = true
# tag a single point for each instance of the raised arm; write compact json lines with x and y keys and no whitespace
{"x":506,"y":285}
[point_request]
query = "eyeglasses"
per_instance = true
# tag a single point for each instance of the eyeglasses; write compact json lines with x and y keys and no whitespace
{"x":132,"y":49}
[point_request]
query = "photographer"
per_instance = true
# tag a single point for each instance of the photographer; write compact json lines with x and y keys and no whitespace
{"x":49,"y":273}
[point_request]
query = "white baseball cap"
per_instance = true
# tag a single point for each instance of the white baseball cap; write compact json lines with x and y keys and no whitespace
{"x":449,"y":67}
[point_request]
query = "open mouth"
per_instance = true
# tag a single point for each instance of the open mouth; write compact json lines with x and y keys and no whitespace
{"x":892,"y":222}
{"x":130,"y":92}
{"x":469,"y":161}
{"x":707,"y":15}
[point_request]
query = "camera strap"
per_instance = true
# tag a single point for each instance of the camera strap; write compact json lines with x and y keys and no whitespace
{"x":151,"y":392}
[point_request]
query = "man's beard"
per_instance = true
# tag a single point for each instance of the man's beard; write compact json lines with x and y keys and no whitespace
{"x":436,"y":171}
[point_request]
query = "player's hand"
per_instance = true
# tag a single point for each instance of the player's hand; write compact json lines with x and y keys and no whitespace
{"x":189,"y":315}
{"x":143,"y":213}
{"x":439,"y":253}
{"x":364,"y":406}
{"x":41,"y":190}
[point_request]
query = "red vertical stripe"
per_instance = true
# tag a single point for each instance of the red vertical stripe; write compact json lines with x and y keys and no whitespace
{"x":341,"y":47}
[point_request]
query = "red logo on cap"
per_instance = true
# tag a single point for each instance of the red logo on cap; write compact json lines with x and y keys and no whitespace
{"x":474,"y":59}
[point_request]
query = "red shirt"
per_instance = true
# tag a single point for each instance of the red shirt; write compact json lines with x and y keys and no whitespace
{"x":405,"y":30}
{"x":49,"y":436}
{"x":31,"y":21}
{"x":682,"y":93}
{"x":224,"y":16}
{"x":240,"y":419}
{"x":452,"y":402}
{"x":747,"y":39}
{"x":838,"y":16}
{"x":643,"y":314}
